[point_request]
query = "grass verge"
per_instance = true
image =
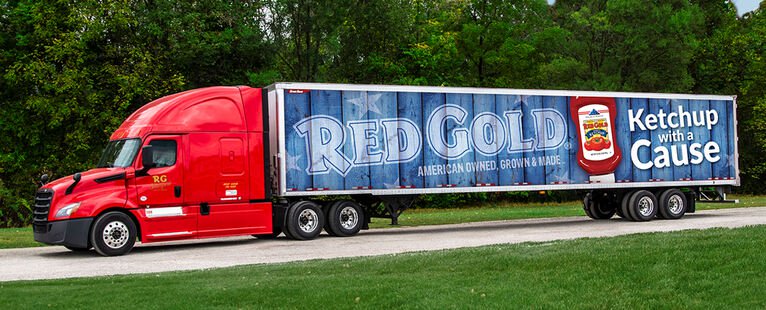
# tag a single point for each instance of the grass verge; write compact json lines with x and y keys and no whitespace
{"x":22,"y":237}
{"x":716,"y":268}
{"x":17,"y":238}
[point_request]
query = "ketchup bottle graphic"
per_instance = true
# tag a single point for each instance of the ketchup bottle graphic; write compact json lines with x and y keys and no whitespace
{"x":598,"y":153}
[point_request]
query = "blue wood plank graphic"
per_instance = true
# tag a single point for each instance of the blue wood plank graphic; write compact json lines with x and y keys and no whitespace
{"x":701,"y":135}
{"x":644,"y":154}
{"x":328,"y":103}
{"x":386,"y":174}
{"x":624,"y":171}
{"x":678,"y":157}
{"x":355,"y":110}
{"x":731,"y":159}
{"x":489,"y":136}
{"x":458,"y":140}
{"x":297,"y":107}
{"x":663,"y":166}
{"x":411,"y":109}
{"x":510,"y":159}
{"x":534,"y":171}
{"x":434,"y":168}
{"x":552,"y":131}
{"x":720,"y":135}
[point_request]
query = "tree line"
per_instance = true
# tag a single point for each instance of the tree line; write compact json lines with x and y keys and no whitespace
{"x":73,"y":70}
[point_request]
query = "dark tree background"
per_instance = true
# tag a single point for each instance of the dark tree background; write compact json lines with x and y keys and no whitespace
{"x":71,"y":71}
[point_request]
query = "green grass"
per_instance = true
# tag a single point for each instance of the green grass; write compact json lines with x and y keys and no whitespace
{"x":22,"y":237}
{"x":716,"y":268}
{"x":17,"y":238}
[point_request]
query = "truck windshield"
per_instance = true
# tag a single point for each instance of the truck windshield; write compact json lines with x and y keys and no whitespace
{"x":119,"y":153}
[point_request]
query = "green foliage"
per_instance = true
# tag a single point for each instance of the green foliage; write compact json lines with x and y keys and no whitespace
{"x":71,"y":71}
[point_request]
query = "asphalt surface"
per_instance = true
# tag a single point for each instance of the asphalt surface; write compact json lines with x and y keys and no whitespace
{"x":58,"y":262}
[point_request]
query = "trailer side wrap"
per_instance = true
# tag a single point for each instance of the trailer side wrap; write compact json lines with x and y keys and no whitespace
{"x":419,"y":141}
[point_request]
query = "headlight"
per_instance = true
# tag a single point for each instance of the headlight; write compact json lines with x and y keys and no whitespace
{"x":68,"y":209}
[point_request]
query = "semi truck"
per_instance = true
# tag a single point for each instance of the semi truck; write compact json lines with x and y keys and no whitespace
{"x":299,"y":158}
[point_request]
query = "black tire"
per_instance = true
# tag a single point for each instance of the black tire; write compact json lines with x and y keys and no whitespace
{"x":597,"y":210}
{"x":642,"y":206}
{"x":273,"y":235}
{"x":624,"y":212}
{"x":326,"y":210}
{"x":673,"y":204}
{"x":344,"y":219}
{"x":304,"y":220}
{"x":73,"y":249}
{"x":113,"y":234}
{"x":586,"y":202}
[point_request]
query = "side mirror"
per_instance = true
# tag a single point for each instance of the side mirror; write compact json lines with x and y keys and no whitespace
{"x":147,"y":159}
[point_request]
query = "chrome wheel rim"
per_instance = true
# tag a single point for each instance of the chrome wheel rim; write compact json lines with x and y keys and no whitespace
{"x":308,"y":220}
{"x":115,"y":234}
{"x":675,"y":204}
{"x":645,"y":206}
{"x":348,"y":217}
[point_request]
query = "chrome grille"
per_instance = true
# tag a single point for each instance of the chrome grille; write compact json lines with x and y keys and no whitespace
{"x":42,"y":206}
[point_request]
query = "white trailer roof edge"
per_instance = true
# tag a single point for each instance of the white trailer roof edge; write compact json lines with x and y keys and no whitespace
{"x":493,"y":91}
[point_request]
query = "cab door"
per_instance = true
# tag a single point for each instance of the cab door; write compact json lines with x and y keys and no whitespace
{"x":160,"y":192}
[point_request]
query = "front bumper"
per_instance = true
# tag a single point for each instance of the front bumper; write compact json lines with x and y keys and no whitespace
{"x":72,"y":233}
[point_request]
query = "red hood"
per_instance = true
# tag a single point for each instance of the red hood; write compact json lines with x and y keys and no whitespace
{"x":89,"y":192}
{"x":85,"y":177}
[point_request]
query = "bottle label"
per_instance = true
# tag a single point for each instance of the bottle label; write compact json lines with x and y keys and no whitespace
{"x":595,"y":132}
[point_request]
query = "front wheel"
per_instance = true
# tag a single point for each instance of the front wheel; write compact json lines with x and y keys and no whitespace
{"x":113,"y":234}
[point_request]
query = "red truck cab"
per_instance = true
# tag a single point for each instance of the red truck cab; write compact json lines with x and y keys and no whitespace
{"x":188,"y":165}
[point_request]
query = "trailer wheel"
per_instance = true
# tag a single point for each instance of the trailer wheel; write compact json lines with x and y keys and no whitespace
{"x":642,"y":206}
{"x":597,"y":210}
{"x":113,"y":234}
{"x":326,"y":210}
{"x":625,"y":213}
{"x":304,"y":220}
{"x":618,"y":208}
{"x":345,"y":218}
{"x":672,"y":204}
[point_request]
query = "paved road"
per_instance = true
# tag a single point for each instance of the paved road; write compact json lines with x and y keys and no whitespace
{"x":58,"y":262}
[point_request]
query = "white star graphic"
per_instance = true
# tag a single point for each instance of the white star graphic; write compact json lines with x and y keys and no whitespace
{"x":292,"y":162}
{"x":368,"y":104}
{"x":391,"y":186}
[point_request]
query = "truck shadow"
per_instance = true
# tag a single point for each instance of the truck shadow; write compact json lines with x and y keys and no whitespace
{"x":554,"y":225}
{"x":523,"y":224}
